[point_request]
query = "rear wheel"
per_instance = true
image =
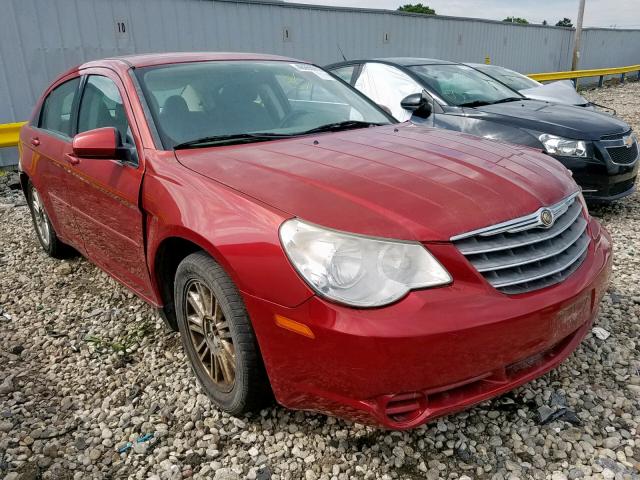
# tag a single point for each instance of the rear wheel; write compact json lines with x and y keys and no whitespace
{"x":43,"y":227}
{"x":217,"y":336}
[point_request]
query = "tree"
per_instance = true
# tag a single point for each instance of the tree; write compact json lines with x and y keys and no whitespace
{"x":565,"y":22}
{"x":522,"y":21}
{"x":544,"y":22}
{"x":417,"y":8}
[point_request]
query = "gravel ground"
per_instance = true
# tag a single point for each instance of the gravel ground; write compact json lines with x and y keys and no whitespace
{"x":85,"y":368}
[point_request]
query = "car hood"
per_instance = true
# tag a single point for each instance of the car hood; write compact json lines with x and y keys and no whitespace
{"x":562,"y":92}
{"x":398,"y":181}
{"x":562,"y":120}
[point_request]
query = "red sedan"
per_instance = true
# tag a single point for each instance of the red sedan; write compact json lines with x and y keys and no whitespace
{"x":304,"y":244}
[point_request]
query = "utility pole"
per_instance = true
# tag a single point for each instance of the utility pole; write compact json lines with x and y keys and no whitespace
{"x":578,"y":37}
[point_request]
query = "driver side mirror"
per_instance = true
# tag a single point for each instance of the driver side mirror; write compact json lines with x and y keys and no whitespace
{"x":98,"y":143}
{"x":418,"y":103}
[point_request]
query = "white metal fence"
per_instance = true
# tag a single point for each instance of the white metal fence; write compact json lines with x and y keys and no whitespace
{"x":41,"y":38}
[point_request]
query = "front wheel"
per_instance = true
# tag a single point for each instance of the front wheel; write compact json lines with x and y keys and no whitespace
{"x":217,"y":336}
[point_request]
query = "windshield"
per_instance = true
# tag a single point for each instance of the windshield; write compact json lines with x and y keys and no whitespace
{"x":461,"y":85}
{"x":511,"y":79}
{"x":191,"y":101}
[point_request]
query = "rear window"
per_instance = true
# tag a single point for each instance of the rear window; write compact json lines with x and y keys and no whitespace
{"x":510,"y":78}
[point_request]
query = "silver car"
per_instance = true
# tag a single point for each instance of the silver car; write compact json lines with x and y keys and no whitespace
{"x":561,"y":91}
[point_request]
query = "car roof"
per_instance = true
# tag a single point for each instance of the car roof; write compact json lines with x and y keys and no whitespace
{"x":487,"y":66}
{"x":482,"y":65}
{"x":399,"y":61}
{"x":408,"y":61}
{"x":151,"y":59}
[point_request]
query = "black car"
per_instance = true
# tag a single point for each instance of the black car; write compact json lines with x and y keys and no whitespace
{"x":598,"y":148}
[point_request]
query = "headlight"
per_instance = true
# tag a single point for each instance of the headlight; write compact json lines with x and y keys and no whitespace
{"x":563,"y":147}
{"x":356,"y":270}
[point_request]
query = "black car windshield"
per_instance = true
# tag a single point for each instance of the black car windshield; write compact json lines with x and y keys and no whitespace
{"x":461,"y":85}
{"x":222,"y":102}
{"x":511,"y":79}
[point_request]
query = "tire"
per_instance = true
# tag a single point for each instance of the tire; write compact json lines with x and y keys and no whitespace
{"x":214,"y":346}
{"x":45,"y":232}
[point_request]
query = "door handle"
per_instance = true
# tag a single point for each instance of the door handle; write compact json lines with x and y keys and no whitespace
{"x":72,"y":159}
{"x":35,"y":141}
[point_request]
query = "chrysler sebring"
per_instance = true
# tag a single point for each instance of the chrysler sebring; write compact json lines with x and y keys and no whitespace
{"x":307,"y":246}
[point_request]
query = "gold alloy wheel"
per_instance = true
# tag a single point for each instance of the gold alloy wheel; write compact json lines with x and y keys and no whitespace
{"x":210,"y":335}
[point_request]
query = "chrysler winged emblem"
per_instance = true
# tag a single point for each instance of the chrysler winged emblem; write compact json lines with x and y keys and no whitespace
{"x":546,"y":218}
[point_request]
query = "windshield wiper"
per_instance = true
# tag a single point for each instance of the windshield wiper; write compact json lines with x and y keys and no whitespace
{"x":475,"y":103}
{"x":482,"y":103}
{"x":508,"y":99}
{"x":229,"y":139}
{"x":335,"y":127}
{"x":265,"y":136}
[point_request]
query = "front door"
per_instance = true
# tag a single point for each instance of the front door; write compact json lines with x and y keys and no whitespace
{"x":106,"y":192}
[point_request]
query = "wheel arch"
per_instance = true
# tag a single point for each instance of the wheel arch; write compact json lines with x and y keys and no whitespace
{"x":24,"y":182}
{"x":166,"y":257}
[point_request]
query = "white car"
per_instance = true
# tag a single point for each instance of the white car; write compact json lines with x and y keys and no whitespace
{"x":561,"y":91}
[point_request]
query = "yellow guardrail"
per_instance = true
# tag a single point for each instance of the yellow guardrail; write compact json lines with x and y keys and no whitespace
{"x":575,"y":74}
{"x":9,"y":134}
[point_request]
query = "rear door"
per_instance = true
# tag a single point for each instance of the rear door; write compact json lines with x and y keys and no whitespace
{"x":46,"y":146}
{"x":106,"y":191}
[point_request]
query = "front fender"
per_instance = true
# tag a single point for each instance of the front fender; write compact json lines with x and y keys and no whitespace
{"x":240,"y":233}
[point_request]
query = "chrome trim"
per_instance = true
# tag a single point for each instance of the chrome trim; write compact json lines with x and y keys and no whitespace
{"x":545,"y":281}
{"x":574,"y":259}
{"x":615,"y":136}
{"x":535,"y":237}
{"x":522,"y":223}
{"x":567,"y":243}
{"x":530,"y":252}
{"x":625,"y":140}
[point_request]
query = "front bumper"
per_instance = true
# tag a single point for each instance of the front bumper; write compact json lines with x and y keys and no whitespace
{"x":601,"y":179}
{"x":436,"y":351}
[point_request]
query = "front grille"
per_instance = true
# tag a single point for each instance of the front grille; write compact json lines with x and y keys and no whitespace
{"x":623,"y":155}
{"x":523,"y":255}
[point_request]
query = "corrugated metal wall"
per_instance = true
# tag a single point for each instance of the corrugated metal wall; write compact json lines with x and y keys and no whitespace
{"x":41,"y":38}
{"x":609,"y":48}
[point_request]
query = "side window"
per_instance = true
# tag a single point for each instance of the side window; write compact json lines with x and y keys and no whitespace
{"x":101,"y":106}
{"x":345,"y":73}
{"x":56,"y":110}
{"x":387,"y":86}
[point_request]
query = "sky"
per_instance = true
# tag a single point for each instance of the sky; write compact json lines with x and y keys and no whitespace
{"x":598,"y":13}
